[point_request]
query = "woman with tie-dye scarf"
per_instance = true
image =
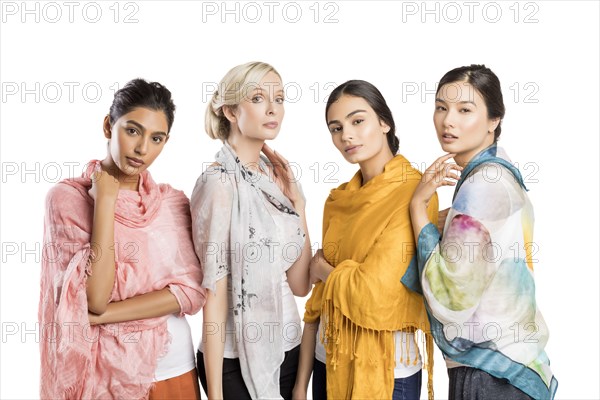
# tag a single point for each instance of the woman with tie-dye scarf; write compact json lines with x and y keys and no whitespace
{"x":477,"y":279}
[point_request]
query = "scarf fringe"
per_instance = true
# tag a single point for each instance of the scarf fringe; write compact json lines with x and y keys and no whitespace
{"x":340,"y":335}
{"x":428,"y":365}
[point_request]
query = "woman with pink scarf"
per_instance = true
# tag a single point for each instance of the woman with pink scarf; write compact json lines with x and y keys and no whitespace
{"x":119,"y":269}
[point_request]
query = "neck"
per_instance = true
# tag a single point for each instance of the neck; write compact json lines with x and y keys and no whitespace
{"x":372,"y":167}
{"x":127,"y":182}
{"x":247,"y":149}
{"x":463,"y":159}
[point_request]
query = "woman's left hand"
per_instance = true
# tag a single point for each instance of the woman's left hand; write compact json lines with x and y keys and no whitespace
{"x":284,"y":177}
{"x":319,"y":267}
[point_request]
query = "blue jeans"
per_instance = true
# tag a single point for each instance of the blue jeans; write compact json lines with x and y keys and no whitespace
{"x":408,"y":388}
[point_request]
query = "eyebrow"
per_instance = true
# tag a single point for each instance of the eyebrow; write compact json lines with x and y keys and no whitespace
{"x":459,"y":102}
{"x":335,"y":121}
{"x":260,"y":89}
{"x":141,"y":127}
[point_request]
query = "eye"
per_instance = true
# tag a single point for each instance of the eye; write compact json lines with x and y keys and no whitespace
{"x":335,"y":129}
{"x":440,"y":108}
{"x":131,"y":131}
{"x":357,"y":121}
{"x":279,"y":100}
{"x":465,"y":110}
{"x":256,"y":99}
{"x":157,"y":139}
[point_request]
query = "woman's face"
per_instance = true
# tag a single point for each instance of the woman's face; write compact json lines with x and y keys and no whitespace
{"x":136,"y":139}
{"x":356,"y":130}
{"x":260,"y":113}
{"x":461,"y":121}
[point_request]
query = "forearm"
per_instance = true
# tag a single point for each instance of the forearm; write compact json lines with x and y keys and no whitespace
{"x":298,"y":274}
{"x":307,"y":355}
{"x":215,"y":316}
{"x":101,"y":281}
{"x":149,"y":305}
{"x":419,"y":217}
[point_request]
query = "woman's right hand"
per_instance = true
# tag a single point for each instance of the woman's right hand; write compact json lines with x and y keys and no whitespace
{"x":104,"y":186}
{"x":440,"y":173}
{"x":284,"y":177}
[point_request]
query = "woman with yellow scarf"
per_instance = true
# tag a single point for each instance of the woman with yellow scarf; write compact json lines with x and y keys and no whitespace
{"x":368,"y":316}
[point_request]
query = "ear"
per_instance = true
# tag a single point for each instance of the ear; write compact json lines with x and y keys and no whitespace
{"x":106,"y":127}
{"x":229,"y":114}
{"x":493,"y":124}
{"x":386,"y":127}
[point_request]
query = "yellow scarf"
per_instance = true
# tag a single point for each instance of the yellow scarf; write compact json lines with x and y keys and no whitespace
{"x":368,"y":238}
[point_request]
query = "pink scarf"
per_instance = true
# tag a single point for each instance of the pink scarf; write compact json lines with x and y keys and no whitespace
{"x":153,"y":250}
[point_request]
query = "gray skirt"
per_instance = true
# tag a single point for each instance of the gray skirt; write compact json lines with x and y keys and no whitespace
{"x":468,"y":383}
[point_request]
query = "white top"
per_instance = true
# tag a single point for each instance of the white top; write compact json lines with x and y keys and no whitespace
{"x":291,"y":330}
{"x":402,"y":370}
{"x":245,"y":227}
{"x":180,"y":356}
{"x":405,"y":365}
{"x":320,"y":348}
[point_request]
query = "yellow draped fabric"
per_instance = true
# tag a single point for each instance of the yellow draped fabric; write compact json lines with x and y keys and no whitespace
{"x":368,"y":238}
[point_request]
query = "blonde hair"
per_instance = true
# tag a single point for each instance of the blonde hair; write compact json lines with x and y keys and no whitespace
{"x":233,"y":88}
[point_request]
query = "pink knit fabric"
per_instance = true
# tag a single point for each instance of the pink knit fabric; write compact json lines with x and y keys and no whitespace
{"x":153,"y":250}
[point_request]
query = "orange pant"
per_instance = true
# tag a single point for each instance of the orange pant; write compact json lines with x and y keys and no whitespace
{"x":180,"y":387}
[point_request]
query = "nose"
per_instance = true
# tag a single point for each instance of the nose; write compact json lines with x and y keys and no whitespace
{"x":274,"y":106}
{"x":347,"y":133}
{"x":141,"y":147}
{"x":449,"y":119}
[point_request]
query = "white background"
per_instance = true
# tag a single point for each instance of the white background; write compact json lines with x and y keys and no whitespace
{"x":546,"y":56}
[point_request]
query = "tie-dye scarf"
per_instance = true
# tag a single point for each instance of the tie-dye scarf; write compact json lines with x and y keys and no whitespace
{"x":478,"y":280}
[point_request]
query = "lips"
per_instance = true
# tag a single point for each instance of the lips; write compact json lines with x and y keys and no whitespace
{"x":134,"y":162}
{"x":448,"y":137}
{"x":353,"y":148}
{"x":271,"y":125}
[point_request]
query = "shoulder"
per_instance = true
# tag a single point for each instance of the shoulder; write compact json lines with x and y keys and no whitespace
{"x":402,"y":175}
{"x":214,"y":185}
{"x":68,"y":203}
{"x":489,"y":178}
{"x":172,"y":196}
{"x":490,"y":192}
{"x":66,"y":194}
{"x":214,"y":178}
